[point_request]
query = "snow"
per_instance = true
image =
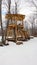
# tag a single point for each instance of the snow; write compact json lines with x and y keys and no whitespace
{"x":25,"y":54}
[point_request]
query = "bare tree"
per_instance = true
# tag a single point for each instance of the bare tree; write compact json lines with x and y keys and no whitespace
{"x":1,"y":20}
{"x":35,"y":5}
{"x":4,"y":32}
{"x":35,"y":13}
{"x":9,"y":4}
{"x":0,"y":10}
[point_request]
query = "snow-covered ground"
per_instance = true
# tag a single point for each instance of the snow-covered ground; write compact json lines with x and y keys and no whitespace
{"x":25,"y":54}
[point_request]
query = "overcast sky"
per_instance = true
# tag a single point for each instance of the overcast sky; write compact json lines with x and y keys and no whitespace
{"x":26,"y":7}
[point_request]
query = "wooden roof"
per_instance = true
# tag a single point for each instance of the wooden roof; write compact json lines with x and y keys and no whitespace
{"x":17,"y":17}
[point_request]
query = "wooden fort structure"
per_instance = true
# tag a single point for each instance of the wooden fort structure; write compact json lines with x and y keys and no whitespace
{"x":16,"y":31}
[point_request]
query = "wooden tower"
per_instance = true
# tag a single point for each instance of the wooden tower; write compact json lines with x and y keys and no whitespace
{"x":18,"y":33}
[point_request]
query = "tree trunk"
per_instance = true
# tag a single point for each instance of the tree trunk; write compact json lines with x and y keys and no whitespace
{"x":9,"y":3}
{"x":1,"y":20}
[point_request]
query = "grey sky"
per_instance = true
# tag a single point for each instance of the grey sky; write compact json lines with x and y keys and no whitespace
{"x":26,"y":7}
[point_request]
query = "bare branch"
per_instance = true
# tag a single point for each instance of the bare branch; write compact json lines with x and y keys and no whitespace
{"x":16,"y":1}
{"x":5,"y":4}
{"x":34,"y":3}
